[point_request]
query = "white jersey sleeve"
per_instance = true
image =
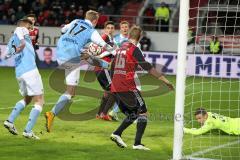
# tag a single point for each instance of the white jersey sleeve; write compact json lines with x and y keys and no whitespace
{"x":97,"y":39}
{"x":106,"y":53}
{"x":21,"y":32}
{"x":139,"y":45}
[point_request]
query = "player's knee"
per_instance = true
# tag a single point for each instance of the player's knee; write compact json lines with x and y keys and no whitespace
{"x":23,"y":102}
{"x":132,"y":117}
{"x":42,"y":102}
{"x":69,"y":96}
{"x":39,"y":103}
{"x":71,"y":91}
{"x":38,"y":107}
{"x":144,"y":114}
{"x":142,"y":118}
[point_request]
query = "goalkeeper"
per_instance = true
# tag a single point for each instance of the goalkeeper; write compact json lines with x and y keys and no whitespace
{"x":209,"y":120}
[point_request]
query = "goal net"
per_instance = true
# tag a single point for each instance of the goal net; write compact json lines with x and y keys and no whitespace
{"x":213,"y":72}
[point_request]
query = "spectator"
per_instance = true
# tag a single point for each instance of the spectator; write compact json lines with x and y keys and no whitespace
{"x":191,"y":37}
{"x":51,"y":18}
{"x":79,"y":14}
{"x":47,"y":62}
{"x":145,"y":42}
{"x":10,"y":12}
{"x":37,"y":6}
{"x":6,"y":6}
{"x":149,"y":14}
{"x":109,"y":9}
{"x":55,"y":12}
{"x":4,"y":19}
{"x":162,"y":17}
{"x":40,"y":18}
{"x":102,"y":18}
{"x":60,"y":17}
{"x":45,"y":22}
{"x":215,"y":46}
{"x":56,"y":6}
{"x":13,"y":19}
{"x":19,"y":14}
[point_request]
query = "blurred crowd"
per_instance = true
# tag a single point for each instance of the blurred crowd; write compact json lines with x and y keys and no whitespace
{"x":56,"y":12}
{"x":157,"y":18}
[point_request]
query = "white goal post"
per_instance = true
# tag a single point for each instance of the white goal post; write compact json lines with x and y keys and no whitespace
{"x":208,"y":78}
{"x":181,"y":77}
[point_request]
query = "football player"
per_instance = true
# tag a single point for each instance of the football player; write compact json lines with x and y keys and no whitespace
{"x":125,"y":91}
{"x":28,"y":77}
{"x":69,"y":49}
{"x":209,"y":121}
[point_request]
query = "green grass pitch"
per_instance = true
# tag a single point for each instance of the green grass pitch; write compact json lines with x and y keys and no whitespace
{"x":89,"y":140}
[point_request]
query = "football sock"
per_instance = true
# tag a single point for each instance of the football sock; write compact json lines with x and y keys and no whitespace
{"x":62,"y":101}
{"x":125,"y":123}
{"x":16,"y":110}
{"x":102,"y":104}
{"x":34,"y":114}
{"x":109,"y":104}
{"x":115,"y":108}
{"x":141,"y":125}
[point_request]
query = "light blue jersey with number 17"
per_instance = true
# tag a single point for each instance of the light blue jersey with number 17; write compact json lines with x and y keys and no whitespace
{"x":24,"y":60}
{"x":72,"y":42}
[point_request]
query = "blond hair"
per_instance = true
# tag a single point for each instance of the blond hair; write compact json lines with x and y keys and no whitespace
{"x":124,"y":22}
{"x":135,"y":33}
{"x":91,"y":15}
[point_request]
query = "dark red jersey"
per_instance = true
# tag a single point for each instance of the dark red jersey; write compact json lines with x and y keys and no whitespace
{"x":124,"y":66}
{"x":34,"y":35}
{"x":108,"y":58}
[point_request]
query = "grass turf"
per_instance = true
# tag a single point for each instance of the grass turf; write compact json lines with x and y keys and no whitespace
{"x":88,"y":140}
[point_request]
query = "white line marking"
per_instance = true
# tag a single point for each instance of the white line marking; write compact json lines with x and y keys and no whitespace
{"x":212,"y":149}
{"x":197,"y":158}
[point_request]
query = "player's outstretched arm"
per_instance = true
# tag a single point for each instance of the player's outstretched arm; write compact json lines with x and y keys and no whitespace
{"x":106,"y":53}
{"x":97,"y":39}
{"x":161,"y":77}
{"x":148,"y":67}
{"x":94,"y":60}
{"x":204,"y":129}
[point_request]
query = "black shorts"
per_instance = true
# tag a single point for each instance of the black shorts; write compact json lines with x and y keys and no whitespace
{"x":130,"y":102}
{"x":104,"y":79}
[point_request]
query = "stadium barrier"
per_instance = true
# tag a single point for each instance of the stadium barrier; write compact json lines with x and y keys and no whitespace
{"x":207,"y":65}
{"x":161,"y":41}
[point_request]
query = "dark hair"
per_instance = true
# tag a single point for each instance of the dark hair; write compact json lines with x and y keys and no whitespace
{"x":47,"y":49}
{"x":108,"y":22}
{"x":31,"y":15}
{"x":200,"y":111}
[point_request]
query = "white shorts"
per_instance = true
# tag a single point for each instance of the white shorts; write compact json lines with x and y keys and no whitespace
{"x":30,"y":83}
{"x":72,"y":72}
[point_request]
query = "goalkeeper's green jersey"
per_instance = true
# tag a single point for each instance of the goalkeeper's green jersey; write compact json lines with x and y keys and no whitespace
{"x":216,"y":121}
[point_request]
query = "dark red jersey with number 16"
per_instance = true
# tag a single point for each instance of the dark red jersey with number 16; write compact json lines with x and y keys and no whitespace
{"x":124,"y":66}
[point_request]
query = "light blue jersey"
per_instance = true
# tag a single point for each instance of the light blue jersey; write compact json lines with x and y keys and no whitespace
{"x":119,"y":39}
{"x":24,"y":60}
{"x":72,"y":42}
